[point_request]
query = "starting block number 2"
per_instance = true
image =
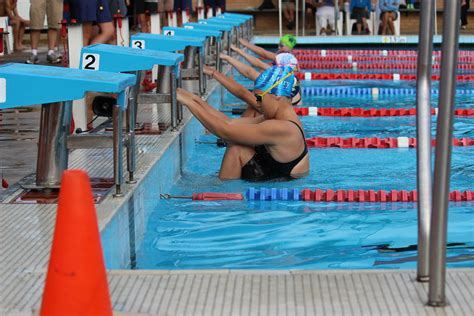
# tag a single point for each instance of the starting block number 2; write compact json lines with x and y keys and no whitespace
{"x":90,"y":61}
{"x":3,"y":90}
{"x":138,"y":44}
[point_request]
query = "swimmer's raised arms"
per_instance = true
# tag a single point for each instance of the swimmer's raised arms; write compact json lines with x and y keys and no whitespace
{"x":287,"y":43}
{"x":260,"y":148}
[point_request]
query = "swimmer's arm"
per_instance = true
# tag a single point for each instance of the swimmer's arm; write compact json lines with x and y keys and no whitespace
{"x":246,"y":70}
{"x":248,"y":120}
{"x":268,"y":132}
{"x":235,"y":88}
{"x":258,"y":50}
{"x":191,"y":101}
{"x":254,"y":61}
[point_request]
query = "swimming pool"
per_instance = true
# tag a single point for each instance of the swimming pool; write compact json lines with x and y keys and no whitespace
{"x":184,"y":234}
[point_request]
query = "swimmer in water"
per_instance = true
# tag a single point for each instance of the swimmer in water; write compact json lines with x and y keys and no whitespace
{"x":286,"y":45}
{"x":266,"y":147}
{"x":241,"y":92}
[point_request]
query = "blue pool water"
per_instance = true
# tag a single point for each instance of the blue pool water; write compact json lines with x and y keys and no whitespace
{"x":184,"y":234}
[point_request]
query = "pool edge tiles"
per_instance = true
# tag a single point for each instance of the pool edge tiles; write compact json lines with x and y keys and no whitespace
{"x":122,"y":221}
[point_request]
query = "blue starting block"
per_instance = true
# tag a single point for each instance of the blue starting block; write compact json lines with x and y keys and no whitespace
{"x":213,"y":38}
{"x":191,"y":47}
{"x":237,"y":26}
{"x":126,"y":59}
{"x":55,"y":88}
{"x":224,"y":28}
{"x":248,"y":19}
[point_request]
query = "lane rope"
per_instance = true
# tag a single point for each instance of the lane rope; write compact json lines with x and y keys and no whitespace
{"x":376,"y":142}
{"x":373,"y":112}
{"x":346,"y":91}
{"x":394,"y":77}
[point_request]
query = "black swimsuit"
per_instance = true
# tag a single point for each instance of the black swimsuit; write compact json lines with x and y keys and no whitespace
{"x":263,"y":166}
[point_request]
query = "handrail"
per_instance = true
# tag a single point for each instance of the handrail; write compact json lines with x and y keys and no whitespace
{"x":444,"y":131}
{"x":423,"y":134}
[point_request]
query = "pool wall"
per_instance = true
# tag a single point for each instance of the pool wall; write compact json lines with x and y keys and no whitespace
{"x":124,"y":233}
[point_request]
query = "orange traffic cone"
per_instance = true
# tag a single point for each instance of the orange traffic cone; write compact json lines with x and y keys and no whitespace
{"x":76,"y":283}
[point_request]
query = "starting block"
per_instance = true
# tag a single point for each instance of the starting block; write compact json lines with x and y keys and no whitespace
{"x":213,"y":38}
{"x":237,"y":26}
{"x":113,"y":58}
{"x":191,"y":47}
{"x":55,"y":88}
{"x":224,"y":28}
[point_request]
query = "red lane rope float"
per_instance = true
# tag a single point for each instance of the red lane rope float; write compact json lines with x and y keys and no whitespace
{"x":387,"y":65}
{"x":362,"y":52}
{"x":334,"y":76}
{"x":374,"y":196}
{"x":375,"y":142}
{"x":356,"y":58}
{"x":373,"y":112}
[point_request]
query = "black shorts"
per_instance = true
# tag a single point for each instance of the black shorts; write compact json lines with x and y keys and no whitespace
{"x":394,"y":13}
{"x":96,"y":11}
{"x":142,"y":7}
{"x":358,"y":14}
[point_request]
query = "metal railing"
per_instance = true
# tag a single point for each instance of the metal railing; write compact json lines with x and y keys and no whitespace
{"x":423,"y":134}
{"x":444,"y":131}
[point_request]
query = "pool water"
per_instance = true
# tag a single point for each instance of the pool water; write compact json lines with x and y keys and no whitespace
{"x":184,"y":234}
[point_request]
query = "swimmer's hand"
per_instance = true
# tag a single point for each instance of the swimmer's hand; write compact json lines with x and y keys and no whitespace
{"x":224,"y":56}
{"x":185,"y":97}
{"x":244,"y":42}
{"x":235,"y":48}
{"x":209,"y":70}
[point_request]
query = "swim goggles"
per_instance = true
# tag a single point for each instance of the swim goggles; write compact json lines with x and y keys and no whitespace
{"x":259,"y":96}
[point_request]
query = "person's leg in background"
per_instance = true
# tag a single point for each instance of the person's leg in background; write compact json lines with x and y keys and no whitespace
{"x":54,"y":14}
{"x":392,"y":16}
{"x":464,"y":8}
{"x":266,"y":5}
{"x":37,"y":14}
{"x":289,"y":13}
{"x":310,"y":12}
{"x":105,"y":23}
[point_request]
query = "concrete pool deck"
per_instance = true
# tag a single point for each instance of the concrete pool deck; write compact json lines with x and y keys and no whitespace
{"x":26,"y":232}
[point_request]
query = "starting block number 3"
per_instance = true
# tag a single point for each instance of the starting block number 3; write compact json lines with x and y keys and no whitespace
{"x":138,"y":44}
{"x":90,"y":61}
{"x":3,"y":90}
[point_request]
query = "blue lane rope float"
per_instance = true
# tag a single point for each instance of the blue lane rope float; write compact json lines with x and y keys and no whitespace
{"x":346,"y":91}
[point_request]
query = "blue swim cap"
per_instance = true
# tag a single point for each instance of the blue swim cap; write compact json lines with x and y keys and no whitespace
{"x":271,"y":76}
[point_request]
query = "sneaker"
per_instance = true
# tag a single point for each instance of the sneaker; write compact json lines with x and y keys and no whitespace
{"x":463,"y":27}
{"x":33,"y":59}
{"x":291,"y":25}
{"x":53,"y":58}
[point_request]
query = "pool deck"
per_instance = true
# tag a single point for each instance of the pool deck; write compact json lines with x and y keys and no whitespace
{"x":26,"y":232}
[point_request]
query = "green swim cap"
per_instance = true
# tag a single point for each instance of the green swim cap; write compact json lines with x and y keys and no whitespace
{"x":288,"y":40}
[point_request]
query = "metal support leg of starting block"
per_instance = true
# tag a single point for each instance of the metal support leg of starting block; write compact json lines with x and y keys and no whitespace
{"x":228,"y":41}
{"x":218,"y":57}
{"x":131,"y":121}
{"x":53,"y":153}
{"x":155,"y":21}
{"x":118,"y":150}
{"x":180,"y":106}
{"x":174,"y":101}
{"x":190,"y":66}
{"x":167,"y":85}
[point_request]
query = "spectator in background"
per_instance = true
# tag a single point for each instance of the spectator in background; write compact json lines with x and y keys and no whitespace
{"x":288,"y":7}
{"x":310,"y":12}
{"x":17,"y":22}
{"x":214,"y":4}
{"x":53,"y":10}
{"x":326,"y":16}
{"x":118,"y":10}
{"x":90,"y":12}
{"x":360,"y":11}
{"x":464,"y":8}
{"x":266,"y":5}
{"x":143,"y":9}
{"x":388,"y":14}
